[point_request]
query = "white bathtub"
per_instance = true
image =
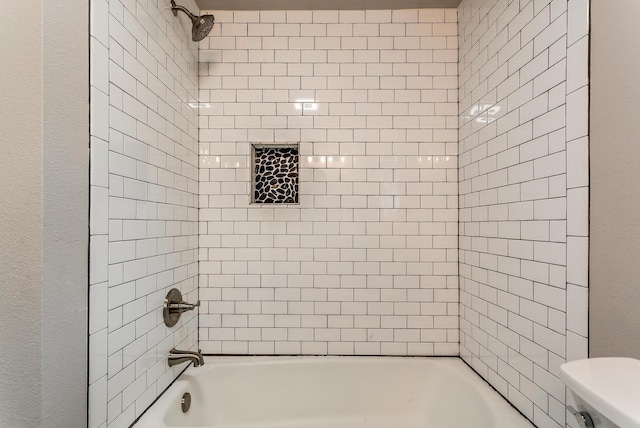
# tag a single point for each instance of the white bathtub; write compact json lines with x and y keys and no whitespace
{"x":332,"y":392}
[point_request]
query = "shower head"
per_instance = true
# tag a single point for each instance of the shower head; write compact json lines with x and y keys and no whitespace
{"x":202,"y":25}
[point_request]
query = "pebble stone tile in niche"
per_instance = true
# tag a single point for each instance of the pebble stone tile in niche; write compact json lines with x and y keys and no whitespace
{"x":275,"y":174}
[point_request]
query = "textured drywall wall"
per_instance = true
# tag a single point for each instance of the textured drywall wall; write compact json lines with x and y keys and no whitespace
{"x":44,"y":214}
{"x":614,"y":320}
{"x":66,"y":213}
{"x":20,"y":213}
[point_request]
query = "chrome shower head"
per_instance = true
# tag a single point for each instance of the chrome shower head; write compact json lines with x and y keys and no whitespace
{"x":202,"y":25}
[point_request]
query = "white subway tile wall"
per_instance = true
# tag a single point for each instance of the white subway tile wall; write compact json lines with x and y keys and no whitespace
{"x":367,"y":262}
{"x":144,"y":214}
{"x":524,"y":197}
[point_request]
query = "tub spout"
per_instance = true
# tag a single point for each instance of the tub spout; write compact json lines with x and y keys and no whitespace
{"x":177,"y":357}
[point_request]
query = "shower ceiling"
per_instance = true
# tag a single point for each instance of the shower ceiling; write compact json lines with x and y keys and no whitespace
{"x":321,"y":4}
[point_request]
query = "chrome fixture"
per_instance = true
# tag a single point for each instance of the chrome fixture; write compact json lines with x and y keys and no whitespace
{"x":202,"y":25}
{"x":584,"y":419}
{"x":174,"y":306}
{"x":178,"y":357}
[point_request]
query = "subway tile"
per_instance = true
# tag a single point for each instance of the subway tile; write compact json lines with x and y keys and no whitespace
{"x":299,"y":16}
{"x":578,"y":20}
{"x":578,"y":114}
{"x":351,"y":16}
{"x":577,"y":65}
{"x":578,"y":163}
{"x":377,"y":16}
{"x":577,"y":310}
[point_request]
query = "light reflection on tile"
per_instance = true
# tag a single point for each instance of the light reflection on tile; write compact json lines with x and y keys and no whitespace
{"x":313,"y":161}
{"x":339,"y":161}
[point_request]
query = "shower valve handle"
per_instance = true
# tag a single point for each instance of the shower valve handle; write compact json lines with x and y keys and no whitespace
{"x":182,"y":306}
{"x":174,"y":306}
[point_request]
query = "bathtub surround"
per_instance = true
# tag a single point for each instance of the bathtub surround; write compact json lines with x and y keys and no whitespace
{"x":367,"y":263}
{"x":144,"y":186}
{"x":524,"y":196}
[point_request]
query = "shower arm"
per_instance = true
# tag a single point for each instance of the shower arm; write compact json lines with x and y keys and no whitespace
{"x":175,"y":8}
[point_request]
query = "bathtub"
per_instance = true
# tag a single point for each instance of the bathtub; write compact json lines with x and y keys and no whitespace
{"x":332,"y":392}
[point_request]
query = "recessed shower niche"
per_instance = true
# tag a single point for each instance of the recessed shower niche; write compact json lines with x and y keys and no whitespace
{"x":275,"y":173}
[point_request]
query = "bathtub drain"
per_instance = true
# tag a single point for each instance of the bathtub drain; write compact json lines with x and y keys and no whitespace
{"x":186,"y":402}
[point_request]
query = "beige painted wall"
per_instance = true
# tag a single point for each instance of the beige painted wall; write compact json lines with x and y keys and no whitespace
{"x":65,"y":167}
{"x":43,"y":213}
{"x":614,"y":309}
{"x":20,"y":213}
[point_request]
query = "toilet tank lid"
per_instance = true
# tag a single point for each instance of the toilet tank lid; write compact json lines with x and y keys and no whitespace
{"x":610,"y":385}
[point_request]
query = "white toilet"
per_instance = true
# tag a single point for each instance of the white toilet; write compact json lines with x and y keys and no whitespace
{"x":606,"y":391}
